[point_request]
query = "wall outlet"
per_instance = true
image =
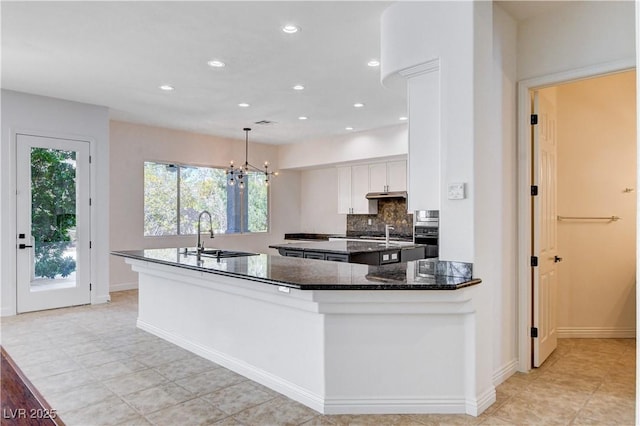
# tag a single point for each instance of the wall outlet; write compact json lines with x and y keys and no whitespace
{"x":369,"y":221}
{"x":456,"y":191}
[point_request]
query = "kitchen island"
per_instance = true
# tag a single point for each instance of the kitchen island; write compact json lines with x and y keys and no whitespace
{"x":337,"y":337}
{"x":365,"y":252}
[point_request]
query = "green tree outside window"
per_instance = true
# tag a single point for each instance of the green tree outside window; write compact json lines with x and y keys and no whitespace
{"x":53,"y":210}
{"x":174,"y":196}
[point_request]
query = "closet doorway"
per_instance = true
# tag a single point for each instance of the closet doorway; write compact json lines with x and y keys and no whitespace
{"x":608,"y":175}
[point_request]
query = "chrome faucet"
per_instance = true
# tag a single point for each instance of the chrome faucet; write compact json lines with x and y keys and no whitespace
{"x":387,"y":228}
{"x":200,"y":245}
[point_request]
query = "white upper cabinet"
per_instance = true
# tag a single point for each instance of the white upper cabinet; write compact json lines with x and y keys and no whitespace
{"x":353,"y":186}
{"x":397,"y":176}
{"x":359,"y":190}
{"x":354,"y":182}
{"x":344,"y":190}
{"x":386,"y":177}
{"x":378,"y":177}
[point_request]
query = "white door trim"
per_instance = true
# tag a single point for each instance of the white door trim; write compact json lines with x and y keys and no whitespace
{"x":524,"y":197}
{"x":78,"y":293}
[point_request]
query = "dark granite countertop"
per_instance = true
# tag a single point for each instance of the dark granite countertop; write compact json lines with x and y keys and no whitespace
{"x":345,"y":247}
{"x":378,"y":235}
{"x":310,"y":236}
{"x":308,"y":274}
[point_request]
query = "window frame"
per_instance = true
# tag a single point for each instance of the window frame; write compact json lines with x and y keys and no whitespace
{"x":244,"y":208}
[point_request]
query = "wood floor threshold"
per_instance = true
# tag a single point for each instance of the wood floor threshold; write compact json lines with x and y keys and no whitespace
{"x":21,"y":402}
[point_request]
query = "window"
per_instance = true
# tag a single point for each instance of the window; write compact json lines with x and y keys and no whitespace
{"x":174,"y":196}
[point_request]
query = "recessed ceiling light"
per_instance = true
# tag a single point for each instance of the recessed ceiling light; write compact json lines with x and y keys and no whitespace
{"x":243,"y":105}
{"x":373,"y":63}
{"x":167,"y":88}
{"x":290,"y":29}
{"x":403,"y":118}
{"x":348,"y":128}
{"x":302,"y":117}
{"x":358,"y":105}
{"x":298,"y":87}
{"x":216,"y":64}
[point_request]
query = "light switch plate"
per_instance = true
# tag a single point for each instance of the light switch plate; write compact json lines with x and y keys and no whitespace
{"x":456,"y":191}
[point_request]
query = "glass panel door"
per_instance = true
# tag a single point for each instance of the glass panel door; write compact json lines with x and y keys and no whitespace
{"x":52,"y":223}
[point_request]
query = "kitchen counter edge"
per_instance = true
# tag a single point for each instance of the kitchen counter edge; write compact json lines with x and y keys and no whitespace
{"x":446,"y":283}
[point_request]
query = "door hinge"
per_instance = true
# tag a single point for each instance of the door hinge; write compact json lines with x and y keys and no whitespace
{"x":534,"y":260}
{"x":534,"y":332}
{"x":534,"y":119}
{"x":534,"y":190}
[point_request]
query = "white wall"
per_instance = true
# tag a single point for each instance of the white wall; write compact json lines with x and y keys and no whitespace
{"x":58,"y":118}
{"x":319,"y":202}
{"x":460,"y":35}
{"x":444,"y":31}
{"x":596,"y":162}
{"x":133,"y":144}
{"x":498,"y":200}
{"x":575,"y":35}
{"x":357,"y":146}
{"x":637,"y":63}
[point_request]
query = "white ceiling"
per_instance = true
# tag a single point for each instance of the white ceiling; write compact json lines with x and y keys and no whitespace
{"x":117,"y":54}
{"x":525,"y":9}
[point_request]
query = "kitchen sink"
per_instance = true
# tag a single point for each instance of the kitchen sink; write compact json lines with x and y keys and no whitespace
{"x":219,"y":254}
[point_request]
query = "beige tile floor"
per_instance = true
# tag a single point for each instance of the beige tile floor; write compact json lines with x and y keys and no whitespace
{"x":96,"y":368}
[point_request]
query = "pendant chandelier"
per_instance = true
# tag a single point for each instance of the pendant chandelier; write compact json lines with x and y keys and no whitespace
{"x":239,"y":175}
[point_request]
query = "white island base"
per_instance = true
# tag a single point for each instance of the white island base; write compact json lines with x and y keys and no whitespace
{"x":336,"y":351}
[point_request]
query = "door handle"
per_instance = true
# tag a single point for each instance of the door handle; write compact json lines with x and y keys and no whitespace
{"x":557,"y":259}
{"x":23,"y":246}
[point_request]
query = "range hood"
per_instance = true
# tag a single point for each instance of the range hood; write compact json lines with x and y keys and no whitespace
{"x":382,"y":195}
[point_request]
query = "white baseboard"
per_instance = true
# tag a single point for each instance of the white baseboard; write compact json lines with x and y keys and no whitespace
{"x":365,"y":405}
{"x":394,"y":406}
{"x":477,"y":406}
{"x":596,"y":332}
{"x":133,"y":285}
{"x":7,"y":311}
{"x":103,"y":298}
{"x":504,"y":372}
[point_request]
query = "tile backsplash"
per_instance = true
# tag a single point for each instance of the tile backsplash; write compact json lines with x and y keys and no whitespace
{"x":391,"y":211}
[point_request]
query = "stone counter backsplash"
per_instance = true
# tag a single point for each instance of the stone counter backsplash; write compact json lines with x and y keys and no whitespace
{"x":392,"y":211}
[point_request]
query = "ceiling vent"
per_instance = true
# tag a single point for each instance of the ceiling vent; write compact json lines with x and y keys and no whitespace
{"x":265,"y":123}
